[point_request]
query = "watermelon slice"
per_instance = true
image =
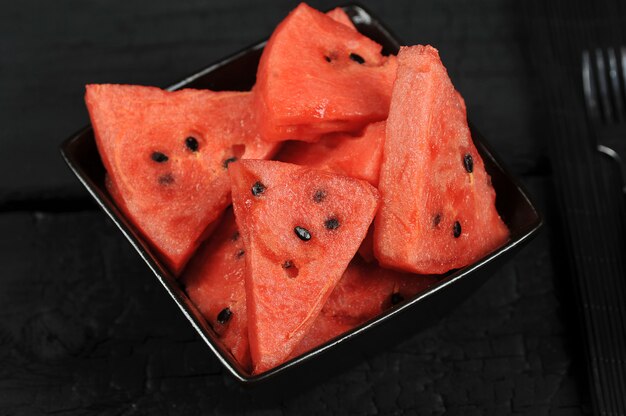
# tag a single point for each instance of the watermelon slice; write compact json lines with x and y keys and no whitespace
{"x":167,"y":156}
{"x":364,"y":291}
{"x":324,"y":328}
{"x":214,"y":281}
{"x":317,"y":75}
{"x":300,"y":227}
{"x":355,"y":156}
{"x":438,"y":206}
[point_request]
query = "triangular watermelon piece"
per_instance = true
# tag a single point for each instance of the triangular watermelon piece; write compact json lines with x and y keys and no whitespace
{"x":214,"y":281}
{"x":356,"y":156}
{"x":167,"y":155}
{"x":300,"y":227}
{"x":438,"y":210}
{"x":317,"y":75}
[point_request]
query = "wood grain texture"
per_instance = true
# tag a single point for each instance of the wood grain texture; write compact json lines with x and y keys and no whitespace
{"x":86,"y":329}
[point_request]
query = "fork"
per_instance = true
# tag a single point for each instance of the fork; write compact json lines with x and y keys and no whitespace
{"x":604,"y":87}
{"x":599,"y":253}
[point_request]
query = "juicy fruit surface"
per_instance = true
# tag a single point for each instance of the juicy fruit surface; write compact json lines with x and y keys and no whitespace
{"x":356,"y":156}
{"x":301,"y":228}
{"x":438,"y":206}
{"x":324,"y":328}
{"x":318,"y":75}
{"x":364,"y":291}
{"x":167,"y":155}
{"x":214,"y":281}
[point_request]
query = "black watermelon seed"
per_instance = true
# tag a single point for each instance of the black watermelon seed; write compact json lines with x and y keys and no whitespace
{"x":436,"y":220}
{"x":166,"y":179}
{"x":159,"y":157}
{"x":240,"y":254}
{"x":287,"y":264}
{"x":357,"y":58}
{"x":229,"y":161}
{"x":192,"y":143}
{"x":396,"y":298}
{"x":327,"y":58}
{"x":258,"y":188}
{"x":456,"y":229}
{"x":235,"y":236}
{"x":468,"y":162}
{"x":319,"y":195}
{"x":331,"y":223}
{"x":224,"y":316}
{"x":302,"y":233}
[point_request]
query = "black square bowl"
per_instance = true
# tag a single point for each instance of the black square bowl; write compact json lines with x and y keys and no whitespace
{"x":237,"y":72}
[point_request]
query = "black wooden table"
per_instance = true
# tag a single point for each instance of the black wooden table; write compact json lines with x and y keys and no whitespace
{"x":85,"y":328}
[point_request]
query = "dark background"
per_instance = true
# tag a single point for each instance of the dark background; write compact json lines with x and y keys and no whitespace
{"x":85,"y":327}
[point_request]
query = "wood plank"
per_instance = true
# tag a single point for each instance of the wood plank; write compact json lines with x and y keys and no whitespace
{"x":86,"y":329}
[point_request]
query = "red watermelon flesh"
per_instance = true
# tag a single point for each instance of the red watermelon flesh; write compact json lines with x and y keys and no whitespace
{"x":355,"y":156}
{"x":300,"y":227}
{"x":364,"y":291}
{"x":324,"y":328}
{"x":167,"y":155}
{"x":317,"y":75}
{"x":438,"y":206}
{"x":214,"y":281}
{"x":339,"y":15}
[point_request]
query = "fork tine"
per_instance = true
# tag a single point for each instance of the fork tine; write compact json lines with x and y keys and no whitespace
{"x":589,"y":88}
{"x":622,"y":65}
{"x":614,"y":76}
{"x":607,"y":111}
